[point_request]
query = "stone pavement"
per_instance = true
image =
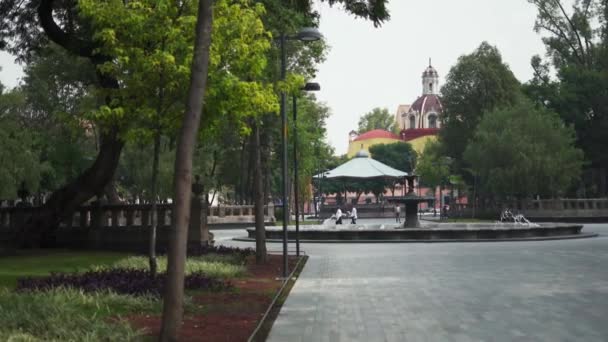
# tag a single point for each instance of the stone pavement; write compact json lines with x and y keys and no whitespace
{"x":497,"y":291}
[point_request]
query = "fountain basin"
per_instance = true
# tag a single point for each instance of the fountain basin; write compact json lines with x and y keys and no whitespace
{"x":436,"y":232}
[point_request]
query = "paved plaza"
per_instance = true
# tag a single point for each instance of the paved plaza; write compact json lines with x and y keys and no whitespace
{"x":496,"y":291}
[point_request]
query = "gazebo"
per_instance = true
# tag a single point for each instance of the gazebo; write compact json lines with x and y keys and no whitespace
{"x":362,"y":167}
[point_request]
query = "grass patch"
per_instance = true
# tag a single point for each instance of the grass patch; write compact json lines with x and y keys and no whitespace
{"x":70,"y":315}
{"x":37,"y":263}
{"x":213,"y":266}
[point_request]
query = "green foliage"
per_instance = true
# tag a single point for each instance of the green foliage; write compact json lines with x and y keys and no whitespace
{"x":433,"y":167}
{"x":577,"y":44}
{"x":48,"y":136}
{"x":400,"y":155}
{"x":152,"y":45}
{"x":312,"y":117}
{"x":19,"y":159}
{"x":478,"y":83}
{"x":523,"y":151}
{"x":212,"y":266}
{"x":378,"y":118}
{"x":69,"y":315}
{"x":134,"y":171}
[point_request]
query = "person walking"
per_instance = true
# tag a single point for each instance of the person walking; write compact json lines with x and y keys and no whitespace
{"x":397,"y":213}
{"x":339,"y":216}
{"x":353,"y":216}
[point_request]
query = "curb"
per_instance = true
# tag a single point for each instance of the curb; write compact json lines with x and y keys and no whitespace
{"x":541,"y":238}
{"x":274,"y":300}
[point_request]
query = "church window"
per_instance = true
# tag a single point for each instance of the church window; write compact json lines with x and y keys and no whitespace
{"x":431,"y":87}
{"x":432,"y":121}
{"x":412,"y":122}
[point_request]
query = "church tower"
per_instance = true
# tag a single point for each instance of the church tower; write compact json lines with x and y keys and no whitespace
{"x":430,"y":81}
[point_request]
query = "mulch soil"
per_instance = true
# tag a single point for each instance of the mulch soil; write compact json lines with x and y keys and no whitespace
{"x":227,"y":316}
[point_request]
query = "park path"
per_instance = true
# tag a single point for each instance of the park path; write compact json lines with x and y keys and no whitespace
{"x":512,"y":291}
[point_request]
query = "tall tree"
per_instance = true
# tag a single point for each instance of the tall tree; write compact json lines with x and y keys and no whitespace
{"x":25,"y":27}
{"x":478,"y":83}
{"x":378,"y":118}
{"x":523,"y":151}
{"x":577,"y":46}
{"x":176,"y":258}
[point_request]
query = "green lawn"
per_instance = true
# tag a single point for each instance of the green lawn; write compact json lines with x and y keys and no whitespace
{"x":42,"y":262}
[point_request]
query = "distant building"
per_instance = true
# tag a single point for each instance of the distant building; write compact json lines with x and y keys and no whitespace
{"x":419,"y":122}
{"x":368,"y":139}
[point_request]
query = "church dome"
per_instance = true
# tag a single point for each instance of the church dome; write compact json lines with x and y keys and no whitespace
{"x":427,"y":103}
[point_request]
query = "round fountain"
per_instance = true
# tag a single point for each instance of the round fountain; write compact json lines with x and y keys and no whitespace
{"x":511,"y":227}
{"x":411,"y":201}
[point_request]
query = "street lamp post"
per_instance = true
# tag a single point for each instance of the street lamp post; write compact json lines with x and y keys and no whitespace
{"x":305,"y":34}
{"x":307,"y":87}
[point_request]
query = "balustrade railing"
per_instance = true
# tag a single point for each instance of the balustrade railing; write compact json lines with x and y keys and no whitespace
{"x":134,"y":215}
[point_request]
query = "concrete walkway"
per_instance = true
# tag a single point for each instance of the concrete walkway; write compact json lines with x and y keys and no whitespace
{"x":511,"y":291}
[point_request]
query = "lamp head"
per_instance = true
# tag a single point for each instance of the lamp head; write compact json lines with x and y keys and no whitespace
{"x":311,"y":86}
{"x":309,"y":34}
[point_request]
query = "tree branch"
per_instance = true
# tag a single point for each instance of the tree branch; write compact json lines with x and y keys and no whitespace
{"x":559,"y":31}
{"x":58,"y":35}
{"x":574,"y":29}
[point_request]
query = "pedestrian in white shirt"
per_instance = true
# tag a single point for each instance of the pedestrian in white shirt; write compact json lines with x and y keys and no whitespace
{"x":353,"y":216}
{"x":339,"y":216}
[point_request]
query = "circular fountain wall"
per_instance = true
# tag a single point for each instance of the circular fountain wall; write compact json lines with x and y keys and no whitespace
{"x":428,"y":232}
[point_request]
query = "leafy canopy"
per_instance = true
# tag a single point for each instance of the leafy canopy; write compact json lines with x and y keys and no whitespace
{"x":400,"y":155}
{"x":151,"y":42}
{"x":522,"y":151}
{"x":378,"y":118}
{"x":478,"y":83}
{"x":576,"y":39}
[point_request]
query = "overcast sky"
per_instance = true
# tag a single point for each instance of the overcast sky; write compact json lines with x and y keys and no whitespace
{"x":371,"y":67}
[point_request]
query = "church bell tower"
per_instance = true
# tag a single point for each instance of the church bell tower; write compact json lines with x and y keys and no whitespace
{"x":430,"y":81}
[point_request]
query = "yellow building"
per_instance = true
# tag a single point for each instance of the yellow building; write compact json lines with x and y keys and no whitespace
{"x":368,"y":139}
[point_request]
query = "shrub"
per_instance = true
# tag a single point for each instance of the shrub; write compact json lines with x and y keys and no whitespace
{"x":221,"y":266}
{"x":68,"y":315}
{"x":120,"y":280}
{"x":210,"y":250}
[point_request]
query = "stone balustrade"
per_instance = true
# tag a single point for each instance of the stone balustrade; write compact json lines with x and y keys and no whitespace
{"x":563,"y":209}
{"x":136,"y":215}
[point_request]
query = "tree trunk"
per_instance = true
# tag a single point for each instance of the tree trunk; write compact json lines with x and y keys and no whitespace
{"x":266,"y":147}
{"x":66,"y":200}
{"x":260,"y":231}
{"x":182,"y":181}
{"x":111,"y":193}
{"x":154,"y":201}
{"x":241,"y":197}
{"x":206,"y":236}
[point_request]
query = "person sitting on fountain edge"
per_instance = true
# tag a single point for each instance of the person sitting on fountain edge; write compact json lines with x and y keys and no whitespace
{"x":353,"y":215}
{"x":339,"y":216}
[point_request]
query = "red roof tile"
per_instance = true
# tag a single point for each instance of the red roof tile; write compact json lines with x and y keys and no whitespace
{"x":377,"y":133}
